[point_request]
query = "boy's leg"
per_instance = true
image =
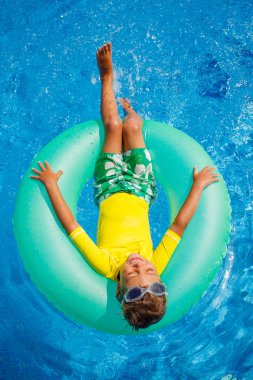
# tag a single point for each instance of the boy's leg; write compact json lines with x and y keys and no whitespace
{"x":132,"y":128}
{"x":138,"y":170}
{"x":108,"y":168}
{"x":109,"y":109}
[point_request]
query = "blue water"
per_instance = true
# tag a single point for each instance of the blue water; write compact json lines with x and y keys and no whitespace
{"x":189,"y":63}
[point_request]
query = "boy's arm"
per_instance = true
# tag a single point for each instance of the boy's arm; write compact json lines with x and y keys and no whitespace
{"x":98,"y":258}
{"x":49,"y":179}
{"x":200,"y":181}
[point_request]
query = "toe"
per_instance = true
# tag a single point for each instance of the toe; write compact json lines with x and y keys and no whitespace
{"x":109,"y":46}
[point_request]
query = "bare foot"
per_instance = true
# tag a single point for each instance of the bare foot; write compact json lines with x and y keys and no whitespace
{"x":104,"y":61}
{"x":126,"y":105}
{"x":131,"y":114}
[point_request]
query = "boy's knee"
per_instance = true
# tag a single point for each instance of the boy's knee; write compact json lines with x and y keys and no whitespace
{"x":132,"y":126}
{"x":113,"y":124}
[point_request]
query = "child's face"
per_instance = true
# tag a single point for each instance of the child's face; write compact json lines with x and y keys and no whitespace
{"x":137,"y":271}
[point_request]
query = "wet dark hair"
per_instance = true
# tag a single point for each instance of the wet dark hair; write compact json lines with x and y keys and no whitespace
{"x":145,"y":312}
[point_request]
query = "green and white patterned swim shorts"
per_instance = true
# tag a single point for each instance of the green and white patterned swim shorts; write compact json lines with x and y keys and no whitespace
{"x":129,"y":172}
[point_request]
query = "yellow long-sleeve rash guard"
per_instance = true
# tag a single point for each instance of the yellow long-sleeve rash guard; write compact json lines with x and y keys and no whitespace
{"x":123,"y":228}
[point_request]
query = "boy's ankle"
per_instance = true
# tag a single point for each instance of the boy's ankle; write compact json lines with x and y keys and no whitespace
{"x":106,"y":77}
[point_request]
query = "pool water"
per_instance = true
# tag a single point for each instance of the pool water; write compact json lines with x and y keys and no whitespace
{"x":188,"y":63}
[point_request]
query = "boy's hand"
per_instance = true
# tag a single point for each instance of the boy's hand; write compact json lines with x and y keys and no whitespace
{"x":200,"y":181}
{"x":205,"y":177}
{"x":46,"y":176}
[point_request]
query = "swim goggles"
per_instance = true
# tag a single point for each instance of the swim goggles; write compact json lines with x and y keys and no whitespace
{"x":135,"y":293}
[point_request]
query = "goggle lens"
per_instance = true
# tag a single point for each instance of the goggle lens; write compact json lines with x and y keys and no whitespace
{"x":134,"y":292}
{"x":157,"y":287}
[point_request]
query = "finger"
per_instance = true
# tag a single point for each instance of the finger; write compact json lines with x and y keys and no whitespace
{"x":34,"y":177}
{"x":207,"y":168}
{"x":59,"y":173}
{"x":41,"y":166}
{"x":47,"y":165}
{"x":36,"y":171}
{"x":214,"y":180}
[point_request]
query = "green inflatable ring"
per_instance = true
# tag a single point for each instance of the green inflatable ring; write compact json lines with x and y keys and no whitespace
{"x":61,"y":272}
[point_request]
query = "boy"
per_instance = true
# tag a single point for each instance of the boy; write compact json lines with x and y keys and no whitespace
{"x":124,"y":188}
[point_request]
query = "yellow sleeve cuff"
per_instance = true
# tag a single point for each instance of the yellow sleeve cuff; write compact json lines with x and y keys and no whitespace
{"x":75,"y":232}
{"x":173,"y":235}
